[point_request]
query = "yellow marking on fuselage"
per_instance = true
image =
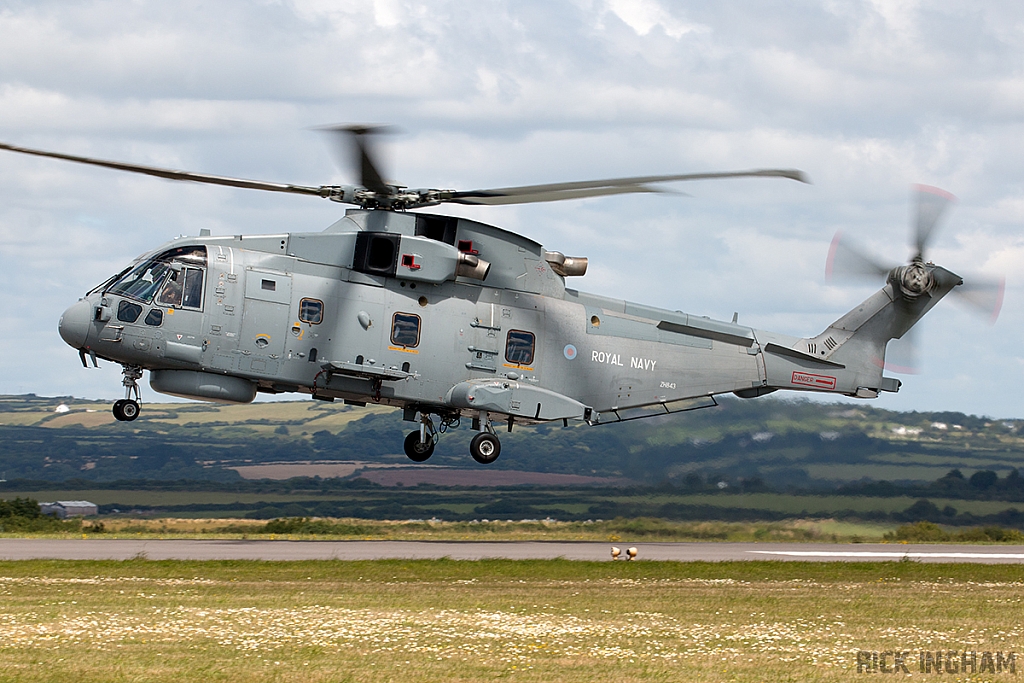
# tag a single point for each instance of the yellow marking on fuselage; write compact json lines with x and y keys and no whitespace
{"x":402,"y":349}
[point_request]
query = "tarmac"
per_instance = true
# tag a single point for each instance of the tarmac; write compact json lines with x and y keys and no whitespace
{"x":278,"y":550}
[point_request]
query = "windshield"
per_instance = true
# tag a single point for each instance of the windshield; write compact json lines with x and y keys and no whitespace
{"x":142,"y":281}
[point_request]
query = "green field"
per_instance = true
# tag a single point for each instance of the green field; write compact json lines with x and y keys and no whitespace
{"x":559,"y":504}
{"x":626,"y":531}
{"x":749,"y":445}
{"x":471,"y":621}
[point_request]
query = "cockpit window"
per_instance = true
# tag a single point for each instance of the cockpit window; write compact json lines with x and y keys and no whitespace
{"x":170,"y":295}
{"x":127,"y":312}
{"x":183,"y":288}
{"x":184,"y":284}
{"x":143,"y":281}
{"x":194,"y":255}
{"x":193,"y":294}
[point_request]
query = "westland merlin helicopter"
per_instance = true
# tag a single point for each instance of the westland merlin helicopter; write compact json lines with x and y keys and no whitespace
{"x":450,"y":318}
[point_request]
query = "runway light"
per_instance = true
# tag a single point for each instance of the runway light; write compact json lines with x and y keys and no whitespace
{"x":632,"y":553}
{"x":615,"y":553}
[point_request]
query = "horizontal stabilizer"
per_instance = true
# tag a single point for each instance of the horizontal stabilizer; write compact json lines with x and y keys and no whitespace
{"x":799,"y":355}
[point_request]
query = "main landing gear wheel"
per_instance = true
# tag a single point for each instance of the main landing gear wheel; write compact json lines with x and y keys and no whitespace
{"x":485,"y":448}
{"x":126,"y":410}
{"x":418,"y":451}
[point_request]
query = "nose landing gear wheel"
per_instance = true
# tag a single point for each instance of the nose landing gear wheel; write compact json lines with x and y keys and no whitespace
{"x":485,"y":448}
{"x":126,"y":410}
{"x":418,"y":451}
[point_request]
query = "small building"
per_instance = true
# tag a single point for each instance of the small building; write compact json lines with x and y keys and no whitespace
{"x":69,"y":508}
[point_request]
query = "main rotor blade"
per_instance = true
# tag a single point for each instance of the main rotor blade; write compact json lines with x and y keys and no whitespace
{"x":171,"y":174}
{"x":848,"y":260}
{"x":931,"y":205}
{"x":525,"y":194}
{"x":367,"y":161}
{"x":551,"y":196}
{"x":985,"y":295}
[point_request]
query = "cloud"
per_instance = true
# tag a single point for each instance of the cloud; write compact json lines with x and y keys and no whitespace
{"x":865,"y":97}
{"x":644,"y":15}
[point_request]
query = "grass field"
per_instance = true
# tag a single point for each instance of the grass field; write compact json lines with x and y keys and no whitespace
{"x":615,"y":531}
{"x":471,"y":621}
{"x":441,"y":503}
{"x":312,"y":415}
{"x":782,"y":443}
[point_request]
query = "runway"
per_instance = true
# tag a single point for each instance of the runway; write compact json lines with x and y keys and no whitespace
{"x":180,"y":549}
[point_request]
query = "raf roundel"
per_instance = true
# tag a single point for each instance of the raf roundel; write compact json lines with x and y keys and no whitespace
{"x":569,"y":352}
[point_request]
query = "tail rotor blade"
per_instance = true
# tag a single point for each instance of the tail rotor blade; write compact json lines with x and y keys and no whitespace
{"x":931,"y":205}
{"x":984,"y":295}
{"x":901,"y":355}
{"x":848,"y":260}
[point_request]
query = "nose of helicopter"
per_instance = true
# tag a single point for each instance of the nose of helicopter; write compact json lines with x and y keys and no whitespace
{"x":74,"y":324}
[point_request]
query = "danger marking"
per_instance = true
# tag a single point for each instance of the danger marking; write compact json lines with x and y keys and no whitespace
{"x":808,"y":379}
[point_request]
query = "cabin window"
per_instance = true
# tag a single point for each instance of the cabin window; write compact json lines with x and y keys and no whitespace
{"x":311,"y":311}
{"x":155,"y":317}
{"x":127,"y":312}
{"x":405,"y":330}
{"x":519,"y":347}
{"x":269,"y":285}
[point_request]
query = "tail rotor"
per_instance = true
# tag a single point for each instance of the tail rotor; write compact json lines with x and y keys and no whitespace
{"x":847,"y":260}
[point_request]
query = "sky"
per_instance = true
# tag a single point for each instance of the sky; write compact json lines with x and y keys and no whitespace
{"x":867,"y":98}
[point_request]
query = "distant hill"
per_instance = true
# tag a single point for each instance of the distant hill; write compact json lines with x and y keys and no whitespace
{"x":744,"y":444}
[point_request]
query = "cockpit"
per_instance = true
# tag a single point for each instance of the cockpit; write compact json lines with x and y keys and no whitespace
{"x":173,"y":278}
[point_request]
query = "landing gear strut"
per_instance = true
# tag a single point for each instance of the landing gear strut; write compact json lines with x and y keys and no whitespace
{"x":485,"y":447}
{"x":127,"y":408}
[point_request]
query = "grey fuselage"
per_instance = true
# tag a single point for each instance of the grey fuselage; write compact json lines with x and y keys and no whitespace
{"x":336,"y":314}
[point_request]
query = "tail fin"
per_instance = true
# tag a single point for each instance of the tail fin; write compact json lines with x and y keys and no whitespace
{"x":849,"y":356}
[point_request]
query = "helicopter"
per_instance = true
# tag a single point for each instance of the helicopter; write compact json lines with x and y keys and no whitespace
{"x":449,"y":318}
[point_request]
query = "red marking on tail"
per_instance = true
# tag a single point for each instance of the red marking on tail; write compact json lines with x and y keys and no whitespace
{"x":830,"y":261}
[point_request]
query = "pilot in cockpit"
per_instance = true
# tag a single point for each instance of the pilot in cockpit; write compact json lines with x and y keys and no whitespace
{"x":170,"y":295}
